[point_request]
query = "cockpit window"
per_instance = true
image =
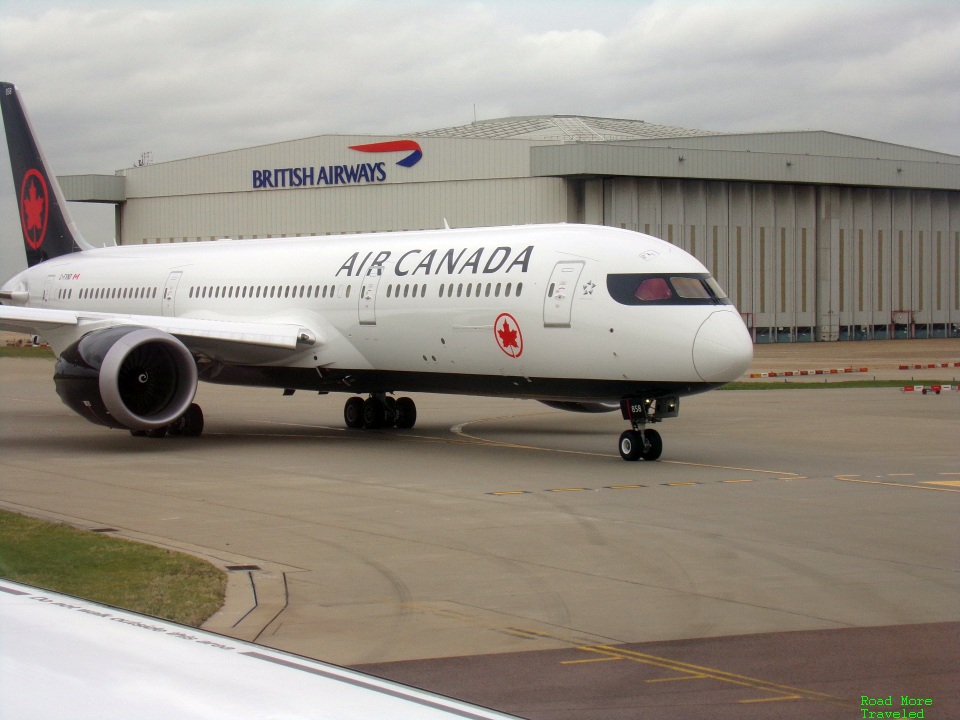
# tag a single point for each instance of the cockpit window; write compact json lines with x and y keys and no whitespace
{"x":653,"y":289}
{"x":688,"y":287}
{"x":665,"y":289}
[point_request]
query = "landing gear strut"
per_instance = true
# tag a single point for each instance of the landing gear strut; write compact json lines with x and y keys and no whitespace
{"x":379,"y":411}
{"x":641,"y":442}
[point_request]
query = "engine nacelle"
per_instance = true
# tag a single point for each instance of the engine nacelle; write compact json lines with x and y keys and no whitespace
{"x":581,"y":407}
{"x":133,"y":378}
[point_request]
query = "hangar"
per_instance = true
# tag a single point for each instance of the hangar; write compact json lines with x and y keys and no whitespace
{"x":815,"y":235}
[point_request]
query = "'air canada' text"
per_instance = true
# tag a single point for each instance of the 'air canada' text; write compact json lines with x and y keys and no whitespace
{"x":435,"y":262}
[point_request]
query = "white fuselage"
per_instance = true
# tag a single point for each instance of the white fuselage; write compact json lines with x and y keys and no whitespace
{"x":521,"y":311}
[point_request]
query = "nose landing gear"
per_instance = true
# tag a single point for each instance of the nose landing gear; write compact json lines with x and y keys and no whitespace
{"x":636,"y":444}
{"x":640,"y":442}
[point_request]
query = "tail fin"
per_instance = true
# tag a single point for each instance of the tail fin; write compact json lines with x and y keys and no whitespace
{"x":48,"y":229}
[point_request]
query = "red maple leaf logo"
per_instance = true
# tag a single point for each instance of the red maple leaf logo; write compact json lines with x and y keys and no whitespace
{"x":33,"y":207}
{"x":509,"y":338}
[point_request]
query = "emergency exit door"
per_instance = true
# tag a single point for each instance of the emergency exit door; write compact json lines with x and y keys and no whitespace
{"x":168,"y":302}
{"x":558,"y":303}
{"x":368,"y":295}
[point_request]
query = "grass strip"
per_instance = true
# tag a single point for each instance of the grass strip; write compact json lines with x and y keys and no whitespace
{"x":129,"y":575}
{"x":835,"y":385}
{"x":27,"y":351}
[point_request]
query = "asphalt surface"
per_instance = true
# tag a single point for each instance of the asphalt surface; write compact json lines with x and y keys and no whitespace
{"x":792,"y":551}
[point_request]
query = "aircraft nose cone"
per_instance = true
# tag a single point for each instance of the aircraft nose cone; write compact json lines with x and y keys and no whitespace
{"x":722,"y":349}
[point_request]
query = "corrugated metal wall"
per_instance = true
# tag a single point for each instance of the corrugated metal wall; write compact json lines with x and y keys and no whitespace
{"x":381,"y":208}
{"x":806,"y":262}
{"x":468,"y":182}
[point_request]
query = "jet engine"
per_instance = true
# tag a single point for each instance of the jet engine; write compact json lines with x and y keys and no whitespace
{"x":133,"y":378}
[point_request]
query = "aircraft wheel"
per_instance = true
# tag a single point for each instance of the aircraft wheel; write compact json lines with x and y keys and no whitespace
{"x":353,"y":413}
{"x":374,"y":413}
{"x":190,"y":424}
{"x":406,"y":413}
{"x":656,"y":445}
{"x":631,"y":445}
{"x":389,"y":412}
{"x":192,"y":421}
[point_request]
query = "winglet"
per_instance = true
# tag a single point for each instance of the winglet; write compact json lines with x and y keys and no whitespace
{"x":48,"y":229}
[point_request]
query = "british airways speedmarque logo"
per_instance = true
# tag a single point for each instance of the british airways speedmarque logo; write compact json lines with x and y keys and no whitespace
{"x":346,"y":174}
{"x":394,"y":146}
{"x":34,"y":208}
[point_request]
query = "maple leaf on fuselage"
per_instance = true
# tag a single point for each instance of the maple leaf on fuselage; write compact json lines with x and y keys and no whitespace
{"x":507,"y":336}
{"x":33,"y":206}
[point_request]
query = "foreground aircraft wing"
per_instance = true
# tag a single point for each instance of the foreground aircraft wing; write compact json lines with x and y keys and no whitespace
{"x":275,"y":335}
{"x":64,"y":657}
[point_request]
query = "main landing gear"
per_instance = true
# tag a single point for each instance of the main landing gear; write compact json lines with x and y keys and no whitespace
{"x":190,"y":424}
{"x":641,"y":442}
{"x":380,"y":411}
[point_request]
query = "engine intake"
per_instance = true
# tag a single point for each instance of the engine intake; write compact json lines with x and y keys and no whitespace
{"x":133,"y":378}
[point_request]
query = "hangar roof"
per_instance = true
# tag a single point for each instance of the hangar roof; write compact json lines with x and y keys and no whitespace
{"x":562,"y":128}
{"x":804,"y":142}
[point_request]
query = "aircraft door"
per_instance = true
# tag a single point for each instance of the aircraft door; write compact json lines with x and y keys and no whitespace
{"x":168,"y":306}
{"x":558,"y":303}
{"x":48,"y":289}
{"x":368,"y":295}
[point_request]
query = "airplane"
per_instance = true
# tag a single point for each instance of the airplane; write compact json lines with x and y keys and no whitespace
{"x":63,"y":656}
{"x":579,"y":317}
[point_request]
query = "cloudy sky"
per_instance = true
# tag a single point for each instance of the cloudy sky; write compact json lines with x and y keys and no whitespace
{"x":105,"y":81}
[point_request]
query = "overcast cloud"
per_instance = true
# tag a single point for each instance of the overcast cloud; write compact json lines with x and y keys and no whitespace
{"x":105,"y":81}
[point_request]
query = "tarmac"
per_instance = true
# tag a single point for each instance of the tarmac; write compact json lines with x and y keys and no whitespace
{"x":792,"y":551}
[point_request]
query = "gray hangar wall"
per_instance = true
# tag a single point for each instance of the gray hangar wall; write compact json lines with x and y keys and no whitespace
{"x":467,"y":182}
{"x":806,"y":262}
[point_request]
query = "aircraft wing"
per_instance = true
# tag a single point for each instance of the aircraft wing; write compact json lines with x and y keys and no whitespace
{"x":64,"y":657}
{"x":191,"y":331}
